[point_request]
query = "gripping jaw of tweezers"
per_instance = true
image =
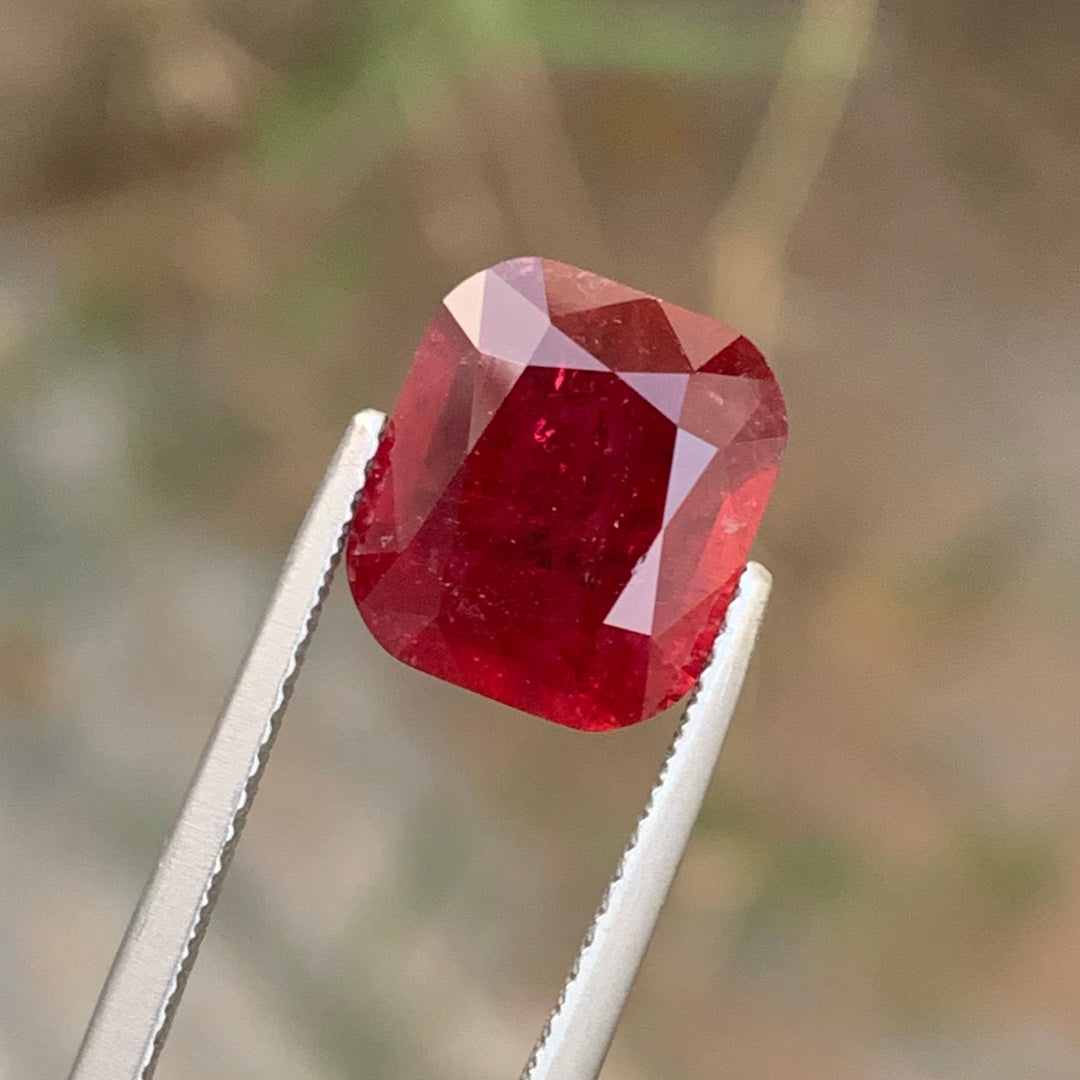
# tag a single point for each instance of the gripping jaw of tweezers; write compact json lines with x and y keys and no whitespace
{"x":137,"y":1003}
{"x":575,"y":1040}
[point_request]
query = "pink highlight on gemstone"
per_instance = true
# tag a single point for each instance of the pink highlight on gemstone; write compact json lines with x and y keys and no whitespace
{"x":566,"y":496}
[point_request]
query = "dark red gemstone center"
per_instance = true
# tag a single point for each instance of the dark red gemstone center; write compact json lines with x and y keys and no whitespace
{"x":573,"y":477}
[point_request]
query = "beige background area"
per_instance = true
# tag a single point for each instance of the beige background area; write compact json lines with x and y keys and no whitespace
{"x":222,"y":228}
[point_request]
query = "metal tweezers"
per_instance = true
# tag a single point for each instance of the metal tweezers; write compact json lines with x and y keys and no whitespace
{"x":138,"y":1001}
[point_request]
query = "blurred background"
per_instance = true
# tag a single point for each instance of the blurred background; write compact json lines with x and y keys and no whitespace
{"x":223,"y":226}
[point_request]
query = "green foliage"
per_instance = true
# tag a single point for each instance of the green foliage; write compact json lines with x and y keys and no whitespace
{"x":310,"y":302}
{"x":730,"y":40}
{"x":806,"y":872}
{"x":103,"y":314}
{"x":972,"y":569}
{"x":802,"y":872}
{"x":438,"y":857}
{"x":350,"y":92}
{"x":1012,"y":872}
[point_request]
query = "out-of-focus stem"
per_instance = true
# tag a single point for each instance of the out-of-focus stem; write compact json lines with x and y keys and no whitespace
{"x":750,"y":233}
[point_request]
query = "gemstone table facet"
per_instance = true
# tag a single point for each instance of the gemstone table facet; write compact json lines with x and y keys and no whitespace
{"x":566,"y":494}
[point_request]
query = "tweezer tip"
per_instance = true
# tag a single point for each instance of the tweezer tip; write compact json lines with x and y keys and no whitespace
{"x":755,"y":577}
{"x":367,"y":419}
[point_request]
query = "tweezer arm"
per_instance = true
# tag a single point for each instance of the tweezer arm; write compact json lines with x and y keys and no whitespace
{"x":139,"y":998}
{"x":575,"y":1040}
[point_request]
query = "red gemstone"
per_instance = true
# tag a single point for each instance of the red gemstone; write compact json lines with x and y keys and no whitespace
{"x":565,"y":498}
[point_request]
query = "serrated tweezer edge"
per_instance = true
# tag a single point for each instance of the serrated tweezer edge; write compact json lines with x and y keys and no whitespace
{"x":140,"y":996}
{"x":577,"y":1035}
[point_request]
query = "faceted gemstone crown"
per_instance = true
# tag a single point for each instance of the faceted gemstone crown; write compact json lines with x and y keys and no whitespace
{"x":565,"y":497}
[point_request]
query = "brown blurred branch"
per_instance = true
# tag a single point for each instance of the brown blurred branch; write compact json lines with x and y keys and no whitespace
{"x":545,"y":187}
{"x":750,"y":233}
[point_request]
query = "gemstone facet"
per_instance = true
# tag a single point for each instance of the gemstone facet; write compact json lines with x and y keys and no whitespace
{"x":565,"y":497}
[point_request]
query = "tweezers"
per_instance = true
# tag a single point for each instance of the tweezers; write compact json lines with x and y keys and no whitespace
{"x":139,"y":999}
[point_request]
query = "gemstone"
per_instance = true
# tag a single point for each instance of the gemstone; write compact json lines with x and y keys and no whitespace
{"x":566,"y":493}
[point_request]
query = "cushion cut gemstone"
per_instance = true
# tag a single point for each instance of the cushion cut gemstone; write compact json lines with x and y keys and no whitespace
{"x":565,"y":497}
